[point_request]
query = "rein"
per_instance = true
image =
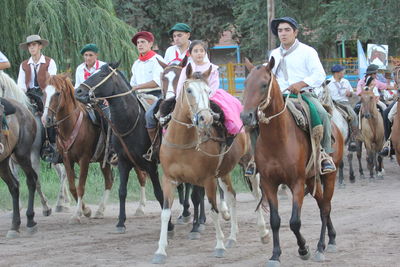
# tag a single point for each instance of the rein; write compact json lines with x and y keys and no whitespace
{"x":265,"y":103}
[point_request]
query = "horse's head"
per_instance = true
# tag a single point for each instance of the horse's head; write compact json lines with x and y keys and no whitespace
{"x":194,"y":98}
{"x":58,"y":94}
{"x":170,"y":77}
{"x":257,"y":90}
{"x":98,"y":84}
{"x":368,"y":104}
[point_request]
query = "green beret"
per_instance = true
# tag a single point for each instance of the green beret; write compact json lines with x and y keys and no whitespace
{"x":89,"y":47}
{"x":180,"y":27}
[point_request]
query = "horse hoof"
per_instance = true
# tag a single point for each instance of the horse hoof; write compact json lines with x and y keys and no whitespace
{"x":272,"y":263}
{"x":225,"y":215}
{"x":32,"y":230}
{"x":331,"y":248}
{"x":265,"y":239}
{"x":319,"y":256}
{"x":87,"y":212}
{"x":171,"y":234}
{"x":219,"y":253}
{"x":202,"y":227}
{"x":120,"y":229}
{"x":159,"y":259}
{"x":305,"y":256}
{"x":62,"y":209}
{"x":98,"y":215}
{"x":194,"y":235}
{"x":74,"y":220}
{"x":46,"y":213}
{"x":182,"y":220}
{"x":12,"y":234}
{"x":230,"y":243}
{"x":380,"y":176}
{"x":139,"y":212}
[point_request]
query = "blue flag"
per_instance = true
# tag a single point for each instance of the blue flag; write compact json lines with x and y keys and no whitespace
{"x":362,"y":60}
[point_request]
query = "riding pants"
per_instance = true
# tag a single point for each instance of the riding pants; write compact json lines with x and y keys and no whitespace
{"x":150,"y":120}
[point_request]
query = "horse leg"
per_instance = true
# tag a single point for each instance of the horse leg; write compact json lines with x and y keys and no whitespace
{"x":202,"y":218}
{"x":256,"y":191}
{"x":341,"y":176}
{"x":108,"y":182}
{"x":211,"y":190}
{"x":169,"y":187}
{"x":196,"y":198}
{"x":141,"y":176}
{"x":69,"y":168}
{"x":63,"y":196}
{"x":35,"y":159}
{"x":351,"y":171}
{"x":184,"y":218}
{"x":13,"y":187}
{"x":380,"y":168}
{"x":371,"y":164}
{"x":226,"y":185}
{"x":124,"y":167}
{"x":223,"y":208}
{"x":81,"y":208}
{"x":275,"y":220}
{"x":295,"y":221}
{"x":359,"y":154}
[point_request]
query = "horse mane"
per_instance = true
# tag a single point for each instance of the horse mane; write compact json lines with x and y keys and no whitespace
{"x":62,"y":82}
{"x":9,"y":89}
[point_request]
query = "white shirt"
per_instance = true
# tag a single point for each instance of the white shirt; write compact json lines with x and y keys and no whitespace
{"x":302,"y":64}
{"x":3,"y":58}
{"x":173,"y":53}
{"x":338,"y":89}
{"x":147,"y":71}
{"x":80,"y":72}
{"x":52,"y":70}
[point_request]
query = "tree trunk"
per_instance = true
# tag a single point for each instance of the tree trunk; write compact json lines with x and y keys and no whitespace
{"x":271,"y":16}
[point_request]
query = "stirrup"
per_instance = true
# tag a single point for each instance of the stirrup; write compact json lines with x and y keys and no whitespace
{"x":250,"y":169}
{"x":324,"y":156}
{"x":149,"y":154}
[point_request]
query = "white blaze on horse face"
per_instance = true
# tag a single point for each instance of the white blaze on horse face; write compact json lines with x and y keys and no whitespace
{"x":170,"y":89}
{"x":200,"y":93}
{"x":50,"y":91}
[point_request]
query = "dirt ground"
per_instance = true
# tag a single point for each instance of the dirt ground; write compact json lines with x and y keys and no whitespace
{"x":366,"y":217}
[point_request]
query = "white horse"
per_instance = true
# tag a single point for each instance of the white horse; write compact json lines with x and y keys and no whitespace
{"x":326,"y":99}
{"x":9,"y":89}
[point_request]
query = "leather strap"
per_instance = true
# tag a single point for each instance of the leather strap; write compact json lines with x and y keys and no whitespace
{"x":66,"y":144}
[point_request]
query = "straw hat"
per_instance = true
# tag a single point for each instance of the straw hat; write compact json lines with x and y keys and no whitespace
{"x":31,"y":39}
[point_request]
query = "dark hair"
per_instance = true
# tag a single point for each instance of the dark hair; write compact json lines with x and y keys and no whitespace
{"x":197,"y":42}
{"x":368,"y":80}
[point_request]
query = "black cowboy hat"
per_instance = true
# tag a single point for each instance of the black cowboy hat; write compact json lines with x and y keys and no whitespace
{"x":275,"y":23}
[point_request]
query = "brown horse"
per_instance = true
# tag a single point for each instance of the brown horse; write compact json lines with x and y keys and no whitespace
{"x":396,"y":119}
{"x":17,"y":141}
{"x":77,"y":138}
{"x":190,"y":154}
{"x":372,"y":133}
{"x":282,"y":153}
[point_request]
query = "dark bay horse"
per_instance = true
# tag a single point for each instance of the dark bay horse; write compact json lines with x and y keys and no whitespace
{"x":17,"y":142}
{"x":372,"y":132}
{"x":282,"y":153}
{"x":130,"y":138}
{"x":77,"y":138}
{"x":189,"y":154}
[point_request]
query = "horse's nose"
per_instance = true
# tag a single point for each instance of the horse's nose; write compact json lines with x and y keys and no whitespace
{"x":48,"y":121}
{"x":367,"y":115}
{"x":247,"y":117}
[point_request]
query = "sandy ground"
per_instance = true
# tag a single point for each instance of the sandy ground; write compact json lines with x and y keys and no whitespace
{"x":366,"y":217}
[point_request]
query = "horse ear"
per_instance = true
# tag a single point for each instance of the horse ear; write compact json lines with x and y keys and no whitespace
{"x":114,"y":65}
{"x":207,"y":73}
{"x":162,"y":64}
{"x":248,"y":64}
{"x":189,"y":70}
{"x":271,"y":64}
{"x":184,"y":61}
{"x":326,"y":82}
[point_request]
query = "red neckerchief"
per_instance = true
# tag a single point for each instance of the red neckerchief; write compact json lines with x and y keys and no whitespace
{"x":147,"y":56}
{"x":177,"y":56}
{"x":87,"y":74}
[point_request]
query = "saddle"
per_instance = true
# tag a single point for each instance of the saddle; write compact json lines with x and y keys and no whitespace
{"x":147,"y":97}
{"x":342,"y":111}
{"x":35,"y":96}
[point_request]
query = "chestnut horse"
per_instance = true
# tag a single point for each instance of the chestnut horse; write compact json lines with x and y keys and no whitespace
{"x":191,"y":154}
{"x":396,"y":119}
{"x":282,"y":153}
{"x":77,"y":138}
{"x":17,"y":141}
{"x":372,"y":132}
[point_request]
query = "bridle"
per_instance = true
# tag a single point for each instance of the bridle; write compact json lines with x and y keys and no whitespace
{"x":55,"y":123}
{"x":265,"y":103}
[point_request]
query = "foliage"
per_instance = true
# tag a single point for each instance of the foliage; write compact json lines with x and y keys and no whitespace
{"x":207,"y":18}
{"x":68,"y":25}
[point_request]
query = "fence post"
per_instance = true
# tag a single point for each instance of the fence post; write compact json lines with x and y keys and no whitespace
{"x":230,"y":71}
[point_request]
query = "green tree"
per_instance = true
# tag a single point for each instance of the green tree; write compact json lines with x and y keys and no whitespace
{"x":68,"y":25}
{"x":207,"y":18}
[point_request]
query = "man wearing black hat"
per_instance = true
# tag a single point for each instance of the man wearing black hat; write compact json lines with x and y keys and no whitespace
{"x":298,"y":69}
{"x":340,"y":89}
{"x":90,"y":65}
